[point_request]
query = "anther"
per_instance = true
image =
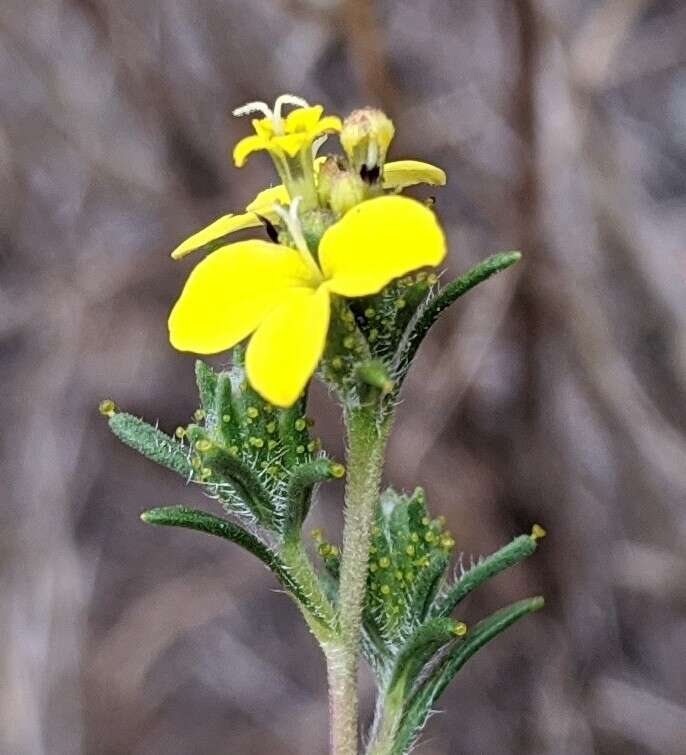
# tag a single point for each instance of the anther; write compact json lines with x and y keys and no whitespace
{"x":537,"y":532}
{"x":460,"y":629}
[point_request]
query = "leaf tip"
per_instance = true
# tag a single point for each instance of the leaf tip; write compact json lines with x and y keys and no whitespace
{"x":537,"y":603}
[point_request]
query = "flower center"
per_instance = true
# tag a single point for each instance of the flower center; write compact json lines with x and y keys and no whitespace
{"x":291,"y":220}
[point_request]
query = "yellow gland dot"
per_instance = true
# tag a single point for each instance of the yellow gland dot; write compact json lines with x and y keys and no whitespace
{"x":338,"y":471}
{"x":385,"y":589}
{"x":384,"y":562}
{"x":537,"y":532}
{"x":410,"y":550}
{"x":199,"y":415}
{"x":253,"y":412}
{"x":203,"y":445}
{"x":271,"y":427}
{"x":348,"y":342}
{"x":107,"y":408}
{"x":257,"y":442}
{"x":300,"y":424}
{"x":180,"y":432}
{"x":460,"y":629}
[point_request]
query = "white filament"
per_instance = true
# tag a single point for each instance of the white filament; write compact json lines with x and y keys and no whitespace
{"x":274,"y":114}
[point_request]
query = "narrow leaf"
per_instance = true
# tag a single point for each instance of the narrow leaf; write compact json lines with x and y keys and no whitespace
{"x":201,"y":521}
{"x":511,"y":554}
{"x":303,"y":478}
{"x":244,"y":481}
{"x":151,"y":443}
{"x":425,"y":698}
{"x":451,"y":293}
{"x":206,"y":379}
{"x":418,"y":651}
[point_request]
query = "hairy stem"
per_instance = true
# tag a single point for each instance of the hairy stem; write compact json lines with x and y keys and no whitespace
{"x":367,"y":434}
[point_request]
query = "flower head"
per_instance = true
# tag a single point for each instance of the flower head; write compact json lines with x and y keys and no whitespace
{"x":282,"y":296}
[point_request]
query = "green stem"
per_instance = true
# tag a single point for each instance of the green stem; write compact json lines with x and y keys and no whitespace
{"x":367,"y":434}
{"x":319,"y":612}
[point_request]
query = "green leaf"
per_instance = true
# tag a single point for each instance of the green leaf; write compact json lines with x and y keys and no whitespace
{"x":418,"y":651}
{"x":201,"y":521}
{"x":451,"y":293}
{"x":206,"y":379}
{"x":303,"y":478}
{"x":228,"y":422}
{"x":151,"y":443}
{"x":511,"y":554}
{"x":244,"y":481}
{"x":422,"y":703}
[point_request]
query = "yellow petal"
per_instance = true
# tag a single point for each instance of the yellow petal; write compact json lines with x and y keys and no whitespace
{"x":264,"y":202}
{"x":303,"y":119}
{"x":327,"y":125}
{"x":225,"y":225}
{"x":377,"y":241}
{"x":402,"y":173}
{"x":291,"y":144}
{"x":264,"y":127}
{"x":231,"y":291}
{"x":287,"y":346}
{"x":246,"y":147}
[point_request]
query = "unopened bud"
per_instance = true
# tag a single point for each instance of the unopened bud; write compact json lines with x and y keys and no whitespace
{"x":347,"y":190}
{"x":365,"y":137}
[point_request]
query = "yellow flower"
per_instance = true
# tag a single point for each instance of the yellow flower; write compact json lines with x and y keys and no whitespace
{"x":397,"y":175}
{"x":282,"y":296}
{"x":282,"y":136}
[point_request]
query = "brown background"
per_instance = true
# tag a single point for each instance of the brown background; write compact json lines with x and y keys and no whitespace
{"x":555,"y":393}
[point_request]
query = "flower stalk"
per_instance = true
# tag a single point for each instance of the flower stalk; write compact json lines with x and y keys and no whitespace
{"x":367,"y":435}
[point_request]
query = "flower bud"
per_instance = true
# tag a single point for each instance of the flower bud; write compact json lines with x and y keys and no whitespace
{"x":328,"y":172}
{"x":365,"y":137}
{"x":347,"y":190}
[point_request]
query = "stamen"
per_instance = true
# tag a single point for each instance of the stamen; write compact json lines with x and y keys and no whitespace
{"x":287,"y":99}
{"x":254,"y":107}
{"x":292,"y":222}
{"x":317,"y":144}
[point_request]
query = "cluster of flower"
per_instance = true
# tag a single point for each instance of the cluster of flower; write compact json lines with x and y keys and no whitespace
{"x":339,"y":231}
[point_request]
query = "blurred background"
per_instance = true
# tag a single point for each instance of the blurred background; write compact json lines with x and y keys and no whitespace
{"x":555,"y":393}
